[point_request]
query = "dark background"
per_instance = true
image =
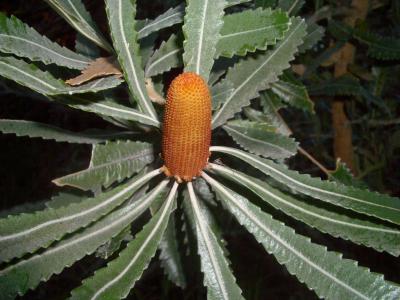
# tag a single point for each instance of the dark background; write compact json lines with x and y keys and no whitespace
{"x":27,"y":167}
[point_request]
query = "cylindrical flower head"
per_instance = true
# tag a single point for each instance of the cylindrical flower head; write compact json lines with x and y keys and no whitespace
{"x":187,"y":126}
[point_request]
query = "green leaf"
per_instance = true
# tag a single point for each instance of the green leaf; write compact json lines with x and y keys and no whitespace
{"x":344,"y":85}
{"x":218,"y":278}
{"x":327,"y":273}
{"x":220,"y":92}
{"x":292,"y":7}
{"x":314,"y":34}
{"x":230,"y":3}
{"x":19,"y":39}
{"x":75,"y":13}
{"x":336,"y":223}
{"x":294,"y":93}
{"x":342,"y":174}
{"x":265,"y":3}
{"x":171,"y":17}
{"x":26,"y":233}
{"x":18,"y":278}
{"x":111,"y":162}
{"x":362,"y":201}
{"x":202,"y":23}
{"x":107,"y":108}
{"x":44,"y":83}
{"x":379,"y":47}
{"x":251,"y":30}
{"x":121,"y":18}
{"x":165,"y":58}
{"x":119,"y":276}
{"x":170,"y":256}
{"x":258,"y":138}
{"x":49,"y":132}
{"x":254,"y":74}
{"x":106,"y":250}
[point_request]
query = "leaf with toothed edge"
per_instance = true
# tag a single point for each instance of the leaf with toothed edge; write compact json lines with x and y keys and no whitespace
{"x":111,"y":162}
{"x":106,"y":108}
{"x":75,"y":13}
{"x":119,"y":276}
{"x":26,"y":233}
{"x":258,"y":138}
{"x":361,"y":201}
{"x":121,"y":18}
{"x":218,"y":278}
{"x":381,"y":237}
{"x":254,"y":74}
{"x":220,"y":92}
{"x":314,"y":34}
{"x":44,"y":83}
{"x":202,"y":23}
{"x":49,"y":132}
{"x":251,"y":30}
{"x":17,"y":279}
{"x":19,"y":39}
{"x":325,"y":272}
{"x":166,"y":57}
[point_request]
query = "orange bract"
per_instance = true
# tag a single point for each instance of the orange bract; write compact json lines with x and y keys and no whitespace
{"x":187,"y":127}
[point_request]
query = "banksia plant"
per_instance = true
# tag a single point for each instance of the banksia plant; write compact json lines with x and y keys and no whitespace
{"x":234,"y":59}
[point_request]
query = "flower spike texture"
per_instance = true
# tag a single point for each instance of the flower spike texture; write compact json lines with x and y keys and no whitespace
{"x":187,"y":127}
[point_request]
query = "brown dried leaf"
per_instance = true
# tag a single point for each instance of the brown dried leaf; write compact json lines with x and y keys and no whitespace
{"x":101,"y":67}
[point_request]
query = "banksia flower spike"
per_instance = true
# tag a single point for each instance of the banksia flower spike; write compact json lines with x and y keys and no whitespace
{"x":187,"y":127}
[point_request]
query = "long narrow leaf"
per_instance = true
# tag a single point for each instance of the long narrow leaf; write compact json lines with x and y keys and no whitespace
{"x":26,"y":274}
{"x":327,"y":273}
{"x":50,"y":132}
{"x":362,"y":201}
{"x":26,"y":233}
{"x":379,"y":236}
{"x":254,"y":74}
{"x":218,"y":278}
{"x":75,"y":13}
{"x":21,"y":40}
{"x":203,"y":21}
{"x":111,"y":162}
{"x":116,"y":279}
{"x":121,"y":18}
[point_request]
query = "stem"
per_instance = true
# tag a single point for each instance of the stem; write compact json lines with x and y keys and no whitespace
{"x":314,"y":161}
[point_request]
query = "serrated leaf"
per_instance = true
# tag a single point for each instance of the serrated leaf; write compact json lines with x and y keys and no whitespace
{"x":342,"y":174}
{"x":121,"y":18}
{"x":202,"y":23}
{"x":119,"y":276}
{"x":362,"y":201}
{"x":111,"y":162}
{"x":107,"y":108}
{"x":327,"y":273}
{"x":254,"y":74}
{"x":18,"y":278}
{"x":295,"y":94}
{"x":218,"y":278}
{"x":379,"y":47}
{"x":110,"y":247}
{"x":220,"y":92}
{"x":19,"y":39}
{"x":44,"y":83}
{"x":171,"y":17}
{"x":170,"y":256}
{"x":50,"y":132}
{"x":336,"y":223}
{"x":344,"y":85}
{"x":314,"y":34}
{"x":251,"y":30}
{"x":230,"y":3}
{"x":166,"y":57}
{"x":258,"y":138}
{"x":75,"y":13}
{"x":26,"y":233}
